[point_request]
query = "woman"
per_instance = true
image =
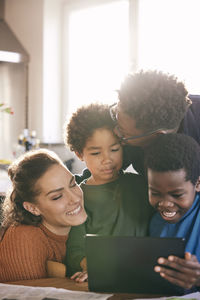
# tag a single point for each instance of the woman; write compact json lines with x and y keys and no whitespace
{"x":44,"y":203}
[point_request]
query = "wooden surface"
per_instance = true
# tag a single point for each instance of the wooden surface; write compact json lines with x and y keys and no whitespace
{"x":66,"y":283}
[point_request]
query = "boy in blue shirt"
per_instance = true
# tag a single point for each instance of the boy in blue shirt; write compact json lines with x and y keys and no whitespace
{"x":173,"y":169}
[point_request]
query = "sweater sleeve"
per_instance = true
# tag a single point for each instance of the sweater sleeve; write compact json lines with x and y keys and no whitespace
{"x":24,"y":253}
{"x":75,"y":249}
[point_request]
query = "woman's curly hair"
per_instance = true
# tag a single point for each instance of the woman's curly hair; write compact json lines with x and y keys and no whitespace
{"x":24,"y":173}
{"x":84,"y":122}
{"x":155,"y":100}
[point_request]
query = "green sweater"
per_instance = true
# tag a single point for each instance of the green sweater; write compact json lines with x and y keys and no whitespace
{"x":116,"y":208}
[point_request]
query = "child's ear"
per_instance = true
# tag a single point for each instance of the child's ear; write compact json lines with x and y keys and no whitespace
{"x":79,"y":155}
{"x":32,"y":208}
{"x":197,"y":185}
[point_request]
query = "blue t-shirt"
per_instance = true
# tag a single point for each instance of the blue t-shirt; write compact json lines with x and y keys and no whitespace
{"x":187,"y":227}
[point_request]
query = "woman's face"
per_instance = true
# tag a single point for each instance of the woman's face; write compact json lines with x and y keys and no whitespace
{"x":60,"y":202}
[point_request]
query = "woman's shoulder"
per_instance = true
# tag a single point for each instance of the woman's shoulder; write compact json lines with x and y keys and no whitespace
{"x":25,"y":236}
{"x":38,"y":233}
{"x":28,"y":232}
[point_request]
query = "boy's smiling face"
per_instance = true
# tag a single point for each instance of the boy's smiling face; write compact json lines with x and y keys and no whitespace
{"x":171,"y":194}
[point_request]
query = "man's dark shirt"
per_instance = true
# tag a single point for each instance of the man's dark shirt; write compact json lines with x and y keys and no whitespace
{"x":191,"y":123}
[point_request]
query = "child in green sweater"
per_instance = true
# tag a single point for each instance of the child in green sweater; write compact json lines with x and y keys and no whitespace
{"x":116,"y":202}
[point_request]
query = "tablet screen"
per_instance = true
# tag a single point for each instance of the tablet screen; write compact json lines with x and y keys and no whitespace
{"x":126,"y":264}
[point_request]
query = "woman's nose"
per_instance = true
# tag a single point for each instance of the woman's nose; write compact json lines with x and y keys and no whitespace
{"x":74,"y":197}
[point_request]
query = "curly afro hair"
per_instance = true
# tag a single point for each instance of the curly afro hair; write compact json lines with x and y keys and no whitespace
{"x":84,"y":122}
{"x":172,"y":152}
{"x":153,"y":99}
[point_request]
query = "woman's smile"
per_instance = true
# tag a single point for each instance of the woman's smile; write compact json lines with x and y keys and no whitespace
{"x":75,"y":211}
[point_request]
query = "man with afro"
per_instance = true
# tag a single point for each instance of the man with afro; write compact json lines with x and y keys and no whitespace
{"x":152,"y":103}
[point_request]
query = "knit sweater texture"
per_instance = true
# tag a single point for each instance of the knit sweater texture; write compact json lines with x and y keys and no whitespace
{"x":25,"y":249}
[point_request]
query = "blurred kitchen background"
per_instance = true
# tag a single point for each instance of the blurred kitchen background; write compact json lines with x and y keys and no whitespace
{"x":56,"y":55}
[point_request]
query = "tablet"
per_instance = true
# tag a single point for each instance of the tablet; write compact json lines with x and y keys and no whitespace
{"x":126,"y":264}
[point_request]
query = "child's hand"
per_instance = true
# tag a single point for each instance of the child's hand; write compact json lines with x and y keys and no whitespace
{"x":80,"y":276}
{"x":186,"y":271}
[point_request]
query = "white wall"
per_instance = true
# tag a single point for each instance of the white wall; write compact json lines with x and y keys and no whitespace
{"x":52,"y":28}
{"x":25,"y":17}
{"x":37,"y":25}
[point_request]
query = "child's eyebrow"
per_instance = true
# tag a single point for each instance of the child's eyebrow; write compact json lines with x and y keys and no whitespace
{"x":97,"y":148}
{"x":178,"y":190}
{"x":93,"y":148}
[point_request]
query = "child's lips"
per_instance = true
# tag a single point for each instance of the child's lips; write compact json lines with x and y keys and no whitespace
{"x":108,"y":171}
{"x":168,"y":214}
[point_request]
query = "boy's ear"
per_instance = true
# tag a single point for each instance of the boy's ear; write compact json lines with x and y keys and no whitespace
{"x":197,"y":185}
{"x":79,"y":155}
{"x":32,"y":208}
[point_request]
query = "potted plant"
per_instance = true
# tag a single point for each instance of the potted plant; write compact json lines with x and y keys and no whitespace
{"x":6,"y":109}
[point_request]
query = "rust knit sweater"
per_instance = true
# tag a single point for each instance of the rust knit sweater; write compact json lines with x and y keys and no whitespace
{"x":25,"y":249}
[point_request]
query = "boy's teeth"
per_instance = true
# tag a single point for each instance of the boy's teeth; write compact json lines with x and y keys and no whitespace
{"x":169,"y":214}
{"x":75,"y":211}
